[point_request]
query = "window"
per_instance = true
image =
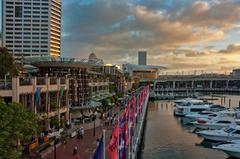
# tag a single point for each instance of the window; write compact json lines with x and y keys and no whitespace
{"x":9,"y":24}
{"x":224,"y":122}
{"x":18,"y":11}
{"x":35,"y":24}
{"x":28,"y":12}
{"x":18,"y":24}
{"x":18,"y":37}
{"x":27,"y":7}
{"x":237,"y":132}
{"x":8,"y":15}
{"x":27,"y":37}
{"x":9,"y":28}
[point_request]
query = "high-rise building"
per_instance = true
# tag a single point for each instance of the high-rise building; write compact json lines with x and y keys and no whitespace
{"x":32,"y":27}
{"x":142,"y":57}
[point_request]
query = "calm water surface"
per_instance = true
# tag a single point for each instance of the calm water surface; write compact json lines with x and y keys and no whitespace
{"x":168,"y":137}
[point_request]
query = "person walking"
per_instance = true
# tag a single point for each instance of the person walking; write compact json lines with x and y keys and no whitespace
{"x":82,"y":132}
{"x":75,"y":150}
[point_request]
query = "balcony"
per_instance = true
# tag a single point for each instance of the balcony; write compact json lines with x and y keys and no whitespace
{"x":5,"y":84}
{"x":62,"y":81}
{"x":25,"y":81}
{"x":41,"y":81}
{"x":53,"y":81}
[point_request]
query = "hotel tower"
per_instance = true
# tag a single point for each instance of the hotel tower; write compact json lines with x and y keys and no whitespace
{"x":32,"y":27}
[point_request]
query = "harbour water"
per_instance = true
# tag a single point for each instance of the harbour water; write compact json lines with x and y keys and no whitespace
{"x":169,"y":137}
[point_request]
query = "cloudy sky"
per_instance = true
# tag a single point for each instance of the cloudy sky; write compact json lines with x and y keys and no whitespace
{"x":183,"y":35}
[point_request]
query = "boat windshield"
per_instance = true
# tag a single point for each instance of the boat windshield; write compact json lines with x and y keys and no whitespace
{"x":205,"y":113}
{"x":184,"y":104}
{"x":229,"y":130}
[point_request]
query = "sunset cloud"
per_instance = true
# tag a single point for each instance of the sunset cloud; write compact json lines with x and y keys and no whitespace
{"x":118,"y":29}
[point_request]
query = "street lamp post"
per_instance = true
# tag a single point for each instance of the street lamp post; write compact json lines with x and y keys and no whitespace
{"x":55,"y":147}
{"x":94,"y":117}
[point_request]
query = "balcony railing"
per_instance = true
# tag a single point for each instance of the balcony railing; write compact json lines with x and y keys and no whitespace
{"x":25,"y":81}
{"x":5,"y":84}
{"x":53,"y":81}
{"x":62,"y":81}
{"x":41,"y":81}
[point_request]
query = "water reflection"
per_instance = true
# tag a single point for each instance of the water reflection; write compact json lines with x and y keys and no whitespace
{"x":169,"y":137}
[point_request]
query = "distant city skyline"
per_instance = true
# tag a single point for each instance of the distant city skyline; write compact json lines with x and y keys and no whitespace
{"x":181,"y":35}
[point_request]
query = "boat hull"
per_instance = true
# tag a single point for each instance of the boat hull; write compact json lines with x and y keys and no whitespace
{"x":233,"y":154}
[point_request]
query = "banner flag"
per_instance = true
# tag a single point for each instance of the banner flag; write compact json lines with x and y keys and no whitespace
{"x":112,"y":148}
{"x":38,"y":96}
{"x":99,"y":153}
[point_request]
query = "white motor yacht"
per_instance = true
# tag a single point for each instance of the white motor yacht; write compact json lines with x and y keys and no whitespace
{"x":203,"y":114}
{"x":215,"y":123}
{"x":193,"y":105}
{"x":226,"y":134}
{"x":232,"y":149}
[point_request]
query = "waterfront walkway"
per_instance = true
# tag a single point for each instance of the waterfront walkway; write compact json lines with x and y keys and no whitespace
{"x":87,"y":145}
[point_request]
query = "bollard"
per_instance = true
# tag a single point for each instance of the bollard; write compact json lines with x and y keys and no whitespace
{"x":239,"y":104}
{"x":229,"y":103}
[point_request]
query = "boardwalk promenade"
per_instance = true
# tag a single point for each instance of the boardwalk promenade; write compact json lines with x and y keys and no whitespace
{"x":86,"y":145}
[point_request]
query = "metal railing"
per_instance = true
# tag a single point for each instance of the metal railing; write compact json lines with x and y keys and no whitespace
{"x":41,"y":81}
{"x":5,"y":84}
{"x":25,"y":81}
{"x":53,"y":81}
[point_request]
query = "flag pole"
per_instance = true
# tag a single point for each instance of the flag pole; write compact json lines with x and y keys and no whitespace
{"x":104,"y":144}
{"x":129,"y":134}
{"x":118,"y":136}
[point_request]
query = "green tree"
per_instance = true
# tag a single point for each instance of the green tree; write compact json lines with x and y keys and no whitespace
{"x":54,"y":122}
{"x":105,"y":103}
{"x":7,"y":63}
{"x":17,"y":127}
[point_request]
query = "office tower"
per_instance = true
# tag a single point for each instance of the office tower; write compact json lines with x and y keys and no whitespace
{"x":32,"y":27}
{"x":142,"y":57}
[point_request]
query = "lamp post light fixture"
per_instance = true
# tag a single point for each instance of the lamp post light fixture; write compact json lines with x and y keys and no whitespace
{"x":55,"y":148}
